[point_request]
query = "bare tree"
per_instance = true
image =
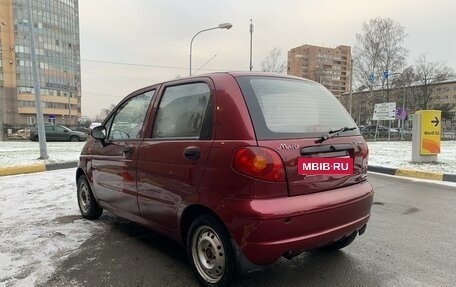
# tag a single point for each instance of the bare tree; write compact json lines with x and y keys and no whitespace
{"x":273,"y":62}
{"x":426,"y":75}
{"x":379,"y":49}
{"x":446,"y":109}
{"x":104,"y":113}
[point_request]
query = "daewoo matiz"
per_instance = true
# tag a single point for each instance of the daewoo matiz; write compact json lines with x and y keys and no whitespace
{"x":237,"y":167}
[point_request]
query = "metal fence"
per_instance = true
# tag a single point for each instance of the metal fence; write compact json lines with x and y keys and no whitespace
{"x":396,"y":136}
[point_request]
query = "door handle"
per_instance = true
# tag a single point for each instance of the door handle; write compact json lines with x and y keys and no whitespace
{"x":192,"y":153}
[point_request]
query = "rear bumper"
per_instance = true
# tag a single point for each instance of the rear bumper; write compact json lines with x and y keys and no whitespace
{"x":266,"y":229}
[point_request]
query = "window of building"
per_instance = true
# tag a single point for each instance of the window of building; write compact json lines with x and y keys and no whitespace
{"x":31,"y":120}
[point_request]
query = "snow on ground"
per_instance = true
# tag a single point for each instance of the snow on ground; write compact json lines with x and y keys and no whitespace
{"x":27,"y":152}
{"x":398,"y":154}
{"x":40,"y":225}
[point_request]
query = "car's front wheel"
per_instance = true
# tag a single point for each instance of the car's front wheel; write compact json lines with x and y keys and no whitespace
{"x":210,"y":252}
{"x":87,"y":204}
{"x":74,"y":139}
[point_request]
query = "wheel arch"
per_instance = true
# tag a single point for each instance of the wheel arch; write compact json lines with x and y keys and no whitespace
{"x":79,"y":172}
{"x":190,"y":214}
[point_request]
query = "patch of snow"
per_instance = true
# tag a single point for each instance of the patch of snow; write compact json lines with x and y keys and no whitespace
{"x":14,"y":153}
{"x":398,"y":154}
{"x":40,"y":225}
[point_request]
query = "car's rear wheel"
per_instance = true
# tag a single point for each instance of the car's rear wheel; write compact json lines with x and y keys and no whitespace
{"x":74,"y":139}
{"x":344,"y":242}
{"x":210,"y":252}
{"x":35,"y":138}
{"x":87,"y":204}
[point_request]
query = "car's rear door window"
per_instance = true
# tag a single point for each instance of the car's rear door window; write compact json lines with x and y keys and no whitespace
{"x":182,"y":111}
{"x":287,"y":108}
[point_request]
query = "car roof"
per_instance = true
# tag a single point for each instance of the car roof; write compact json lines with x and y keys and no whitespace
{"x":216,"y":74}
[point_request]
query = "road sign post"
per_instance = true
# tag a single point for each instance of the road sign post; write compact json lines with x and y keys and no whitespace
{"x":426,"y":135}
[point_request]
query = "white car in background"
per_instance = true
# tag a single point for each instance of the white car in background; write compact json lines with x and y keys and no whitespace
{"x":94,"y":125}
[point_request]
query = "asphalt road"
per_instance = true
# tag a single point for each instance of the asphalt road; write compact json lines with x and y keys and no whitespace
{"x":410,"y":241}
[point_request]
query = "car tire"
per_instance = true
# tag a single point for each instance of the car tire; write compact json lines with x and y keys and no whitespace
{"x":344,"y":242}
{"x":210,"y":252}
{"x":74,"y":139}
{"x":35,"y":138}
{"x":86,"y":201}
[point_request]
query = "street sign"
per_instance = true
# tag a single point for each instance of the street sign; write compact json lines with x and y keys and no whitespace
{"x":385,"y":75}
{"x":401,"y":114}
{"x":384,"y":111}
{"x":372,"y":78}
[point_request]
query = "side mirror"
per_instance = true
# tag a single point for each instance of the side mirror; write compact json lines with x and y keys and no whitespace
{"x":99,"y":133}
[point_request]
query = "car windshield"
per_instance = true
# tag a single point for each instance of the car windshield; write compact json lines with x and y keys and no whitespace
{"x":288,"y":108}
{"x":65,"y":128}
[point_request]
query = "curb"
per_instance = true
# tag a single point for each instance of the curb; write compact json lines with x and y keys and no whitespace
{"x":439,"y":176}
{"x":38,"y":167}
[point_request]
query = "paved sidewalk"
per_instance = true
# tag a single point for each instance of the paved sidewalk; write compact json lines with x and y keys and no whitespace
{"x":438,"y":176}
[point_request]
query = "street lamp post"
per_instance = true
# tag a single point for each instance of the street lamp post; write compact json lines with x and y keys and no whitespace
{"x":220,"y":26}
{"x":251,"y":36}
{"x":68,"y":95}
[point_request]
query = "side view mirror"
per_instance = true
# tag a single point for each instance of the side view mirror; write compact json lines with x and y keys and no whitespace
{"x":99,"y":133}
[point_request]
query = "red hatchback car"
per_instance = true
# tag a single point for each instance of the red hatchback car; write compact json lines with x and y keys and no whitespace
{"x":211,"y":161}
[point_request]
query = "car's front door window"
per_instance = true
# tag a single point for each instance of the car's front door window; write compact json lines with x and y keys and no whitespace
{"x":129,"y":118}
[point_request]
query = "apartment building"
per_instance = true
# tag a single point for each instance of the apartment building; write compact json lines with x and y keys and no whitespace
{"x":328,"y":66}
{"x":56,"y":31}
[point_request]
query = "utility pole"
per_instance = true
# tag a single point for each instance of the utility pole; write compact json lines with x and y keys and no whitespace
{"x":2,"y":95}
{"x":251,"y":38}
{"x":351,"y":88}
{"x":36,"y":83}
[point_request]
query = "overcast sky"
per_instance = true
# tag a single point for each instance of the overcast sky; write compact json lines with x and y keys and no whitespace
{"x":158,"y":33}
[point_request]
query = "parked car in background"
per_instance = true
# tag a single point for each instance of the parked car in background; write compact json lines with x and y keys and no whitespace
{"x":211,"y":161}
{"x":382,"y":131}
{"x":94,"y":125}
{"x":21,"y":134}
{"x":58,"y":133}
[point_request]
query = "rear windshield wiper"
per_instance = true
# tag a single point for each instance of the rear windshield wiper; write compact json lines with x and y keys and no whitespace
{"x":334,"y":133}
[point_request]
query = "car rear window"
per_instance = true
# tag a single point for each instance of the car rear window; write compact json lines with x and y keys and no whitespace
{"x":288,"y":108}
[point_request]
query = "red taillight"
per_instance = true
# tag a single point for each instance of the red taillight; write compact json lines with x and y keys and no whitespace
{"x":259,"y":162}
